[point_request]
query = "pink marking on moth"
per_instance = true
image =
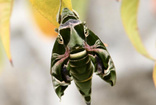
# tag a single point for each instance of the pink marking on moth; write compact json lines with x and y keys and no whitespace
{"x":63,"y":57}
{"x":90,"y":48}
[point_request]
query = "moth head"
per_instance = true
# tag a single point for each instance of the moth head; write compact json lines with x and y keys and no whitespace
{"x":66,"y":15}
{"x":72,"y":33}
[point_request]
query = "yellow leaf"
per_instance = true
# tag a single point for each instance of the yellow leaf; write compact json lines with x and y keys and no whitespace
{"x":5,"y":12}
{"x":129,"y":10}
{"x":50,"y":8}
{"x":154,"y":75}
{"x":45,"y":26}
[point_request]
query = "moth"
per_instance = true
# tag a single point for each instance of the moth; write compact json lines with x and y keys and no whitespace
{"x":76,"y":55}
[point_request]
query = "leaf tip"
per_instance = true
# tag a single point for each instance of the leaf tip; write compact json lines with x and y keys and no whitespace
{"x":11,"y":62}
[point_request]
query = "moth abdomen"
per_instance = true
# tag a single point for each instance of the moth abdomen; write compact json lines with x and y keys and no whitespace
{"x":81,"y":69}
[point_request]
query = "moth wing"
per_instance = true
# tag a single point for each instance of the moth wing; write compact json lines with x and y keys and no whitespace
{"x":104,"y":66}
{"x":58,"y":60}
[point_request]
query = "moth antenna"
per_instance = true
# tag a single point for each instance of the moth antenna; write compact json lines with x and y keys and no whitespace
{"x":59,"y":13}
{"x":76,"y":14}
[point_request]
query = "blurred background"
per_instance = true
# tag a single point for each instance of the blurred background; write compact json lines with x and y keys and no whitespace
{"x":28,"y":82}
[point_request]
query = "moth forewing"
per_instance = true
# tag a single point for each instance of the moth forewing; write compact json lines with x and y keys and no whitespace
{"x":58,"y":60}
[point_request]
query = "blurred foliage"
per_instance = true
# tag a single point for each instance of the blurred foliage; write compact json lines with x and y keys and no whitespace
{"x":153,"y":3}
{"x":45,"y":26}
{"x":5,"y":13}
{"x":1,"y":54}
{"x":49,"y":8}
{"x":129,"y":11}
{"x":80,"y":6}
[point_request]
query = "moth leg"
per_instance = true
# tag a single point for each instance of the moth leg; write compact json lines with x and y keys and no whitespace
{"x":65,"y":74}
{"x":101,"y":70}
{"x":99,"y":65}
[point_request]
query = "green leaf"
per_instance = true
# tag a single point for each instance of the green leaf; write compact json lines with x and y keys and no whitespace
{"x":50,"y":8}
{"x":129,"y":10}
{"x":154,"y":74}
{"x":5,"y":13}
{"x":80,"y":6}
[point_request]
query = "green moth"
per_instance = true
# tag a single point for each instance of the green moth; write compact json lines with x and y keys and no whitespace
{"x":76,"y":55}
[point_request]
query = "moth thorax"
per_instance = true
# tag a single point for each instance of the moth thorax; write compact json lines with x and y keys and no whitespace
{"x":78,"y":53}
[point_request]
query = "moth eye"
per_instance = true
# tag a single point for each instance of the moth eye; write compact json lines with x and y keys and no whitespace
{"x":86,"y":32}
{"x":60,"y":39}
